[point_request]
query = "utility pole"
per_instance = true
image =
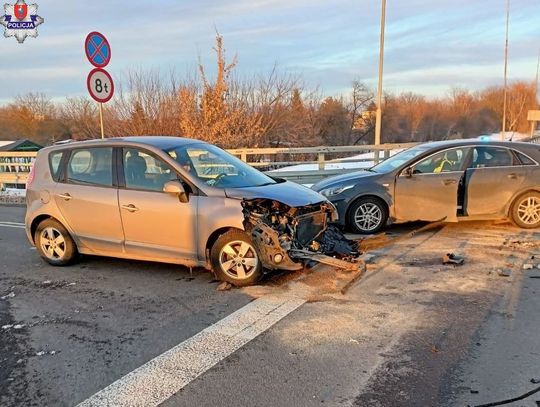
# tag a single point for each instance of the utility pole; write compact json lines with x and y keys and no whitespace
{"x":503,"y":132}
{"x":378,"y":123}
{"x":533,"y":123}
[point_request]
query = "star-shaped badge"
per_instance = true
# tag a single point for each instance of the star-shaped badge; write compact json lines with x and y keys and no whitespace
{"x":21,"y":20}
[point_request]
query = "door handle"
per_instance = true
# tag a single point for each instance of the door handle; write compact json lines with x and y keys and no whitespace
{"x":449,"y":181}
{"x":65,"y":196}
{"x":130,"y":208}
{"x":512,"y":176}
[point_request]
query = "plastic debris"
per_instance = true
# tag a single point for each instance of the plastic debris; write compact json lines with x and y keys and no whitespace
{"x":451,"y":258}
{"x":7,"y":326}
{"x":528,"y":266}
{"x":18,"y":326}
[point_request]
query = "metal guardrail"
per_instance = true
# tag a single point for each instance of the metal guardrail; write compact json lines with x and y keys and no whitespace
{"x":15,"y":166}
{"x":268,"y":159}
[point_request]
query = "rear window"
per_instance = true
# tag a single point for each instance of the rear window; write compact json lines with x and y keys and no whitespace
{"x":523,"y":159}
{"x":55,"y":159}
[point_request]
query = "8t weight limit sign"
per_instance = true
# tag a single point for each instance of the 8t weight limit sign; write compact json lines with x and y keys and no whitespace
{"x":100,"y":85}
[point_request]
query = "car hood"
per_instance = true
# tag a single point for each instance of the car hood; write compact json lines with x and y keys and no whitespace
{"x":341,"y":179}
{"x":289,"y":193}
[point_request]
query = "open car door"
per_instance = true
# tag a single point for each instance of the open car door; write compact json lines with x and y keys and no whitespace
{"x":429,"y":189}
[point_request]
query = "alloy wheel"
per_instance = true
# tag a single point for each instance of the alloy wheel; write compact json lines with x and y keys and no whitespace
{"x":368,"y":216}
{"x":238,"y":259}
{"x":53,"y":243}
{"x":528,"y":210}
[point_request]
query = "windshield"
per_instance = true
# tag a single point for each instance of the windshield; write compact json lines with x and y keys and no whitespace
{"x":399,"y":159}
{"x":217,"y":168}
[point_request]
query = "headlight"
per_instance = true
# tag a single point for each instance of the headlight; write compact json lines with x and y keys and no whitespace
{"x":335,"y":190}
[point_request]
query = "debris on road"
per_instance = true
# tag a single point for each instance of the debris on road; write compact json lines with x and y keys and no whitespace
{"x":528,"y":266}
{"x":54,"y":284}
{"x":451,"y":258}
{"x":224,"y":286}
{"x":5,"y":327}
{"x":10,"y":295}
{"x":504,"y":273}
{"x":18,"y":326}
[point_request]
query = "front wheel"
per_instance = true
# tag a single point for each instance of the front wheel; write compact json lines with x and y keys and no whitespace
{"x":367,"y":215}
{"x":54,"y":243}
{"x":525,"y":211}
{"x":235,"y":260}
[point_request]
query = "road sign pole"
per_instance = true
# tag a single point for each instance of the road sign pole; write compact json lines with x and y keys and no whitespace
{"x":101,"y":119}
{"x":99,"y":83}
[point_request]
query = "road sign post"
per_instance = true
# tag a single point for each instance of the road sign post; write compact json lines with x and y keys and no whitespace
{"x":99,"y":83}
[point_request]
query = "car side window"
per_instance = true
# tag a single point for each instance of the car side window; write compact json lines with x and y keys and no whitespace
{"x":445,"y":161}
{"x":145,"y":172}
{"x":489,"y":157}
{"x":54,"y":162}
{"x":90,"y":166}
{"x":523,"y":159}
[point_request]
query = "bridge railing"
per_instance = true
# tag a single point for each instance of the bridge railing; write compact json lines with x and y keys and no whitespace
{"x":15,"y":166}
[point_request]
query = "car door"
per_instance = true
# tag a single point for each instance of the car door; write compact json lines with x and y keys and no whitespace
{"x":87,"y":198}
{"x":428,"y":189}
{"x":494,"y":176}
{"x":156,"y":224}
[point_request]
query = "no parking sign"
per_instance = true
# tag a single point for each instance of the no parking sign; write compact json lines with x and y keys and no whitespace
{"x":99,"y":83}
{"x":97,"y":49}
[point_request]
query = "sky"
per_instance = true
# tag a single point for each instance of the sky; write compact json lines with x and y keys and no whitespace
{"x":431,"y":45}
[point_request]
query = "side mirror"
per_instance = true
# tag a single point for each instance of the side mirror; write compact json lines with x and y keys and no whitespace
{"x":408,"y":172}
{"x":176,"y":188}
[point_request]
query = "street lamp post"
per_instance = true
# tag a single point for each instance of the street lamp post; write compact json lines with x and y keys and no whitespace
{"x":535,"y":104}
{"x":379,"y":87}
{"x":503,"y":132}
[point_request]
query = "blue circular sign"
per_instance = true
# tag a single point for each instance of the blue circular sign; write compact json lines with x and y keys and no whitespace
{"x":97,"y":49}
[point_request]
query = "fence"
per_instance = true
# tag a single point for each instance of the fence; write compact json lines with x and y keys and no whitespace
{"x":15,"y":166}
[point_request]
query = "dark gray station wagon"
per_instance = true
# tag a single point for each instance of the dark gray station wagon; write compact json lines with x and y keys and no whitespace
{"x":455,"y":180}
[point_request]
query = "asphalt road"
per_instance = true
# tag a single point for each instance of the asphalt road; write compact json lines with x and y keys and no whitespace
{"x":410,"y":332}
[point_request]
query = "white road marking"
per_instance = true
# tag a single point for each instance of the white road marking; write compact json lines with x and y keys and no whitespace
{"x":162,"y":377}
{"x":12,"y":225}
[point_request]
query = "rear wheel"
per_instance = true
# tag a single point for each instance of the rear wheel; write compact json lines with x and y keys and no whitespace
{"x":54,"y":243}
{"x":235,"y":260}
{"x":525,"y":211}
{"x":367,"y":215}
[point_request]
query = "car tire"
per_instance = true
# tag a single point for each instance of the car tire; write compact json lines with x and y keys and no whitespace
{"x":54,"y":243}
{"x":367,"y":215}
{"x":234,"y":259}
{"x":525,"y":211}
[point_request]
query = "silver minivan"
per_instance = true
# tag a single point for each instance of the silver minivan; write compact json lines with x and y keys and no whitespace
{"x":172,"y":200}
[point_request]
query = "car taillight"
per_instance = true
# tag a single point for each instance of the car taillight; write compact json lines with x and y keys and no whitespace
{"x":31,"y":175}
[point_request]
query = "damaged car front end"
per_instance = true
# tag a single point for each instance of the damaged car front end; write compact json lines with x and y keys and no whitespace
{"x":289,"y":237}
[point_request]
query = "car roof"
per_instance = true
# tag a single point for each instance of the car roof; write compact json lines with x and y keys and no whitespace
{"x":160,"y":142}
{"x":476,"y":142}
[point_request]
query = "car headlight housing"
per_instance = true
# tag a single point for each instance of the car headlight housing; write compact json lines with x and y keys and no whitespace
{"x":335,"y":190}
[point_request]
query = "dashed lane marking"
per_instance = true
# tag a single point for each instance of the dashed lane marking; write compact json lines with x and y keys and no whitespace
{"x":162,"y":377}
{"x":11,"y":224}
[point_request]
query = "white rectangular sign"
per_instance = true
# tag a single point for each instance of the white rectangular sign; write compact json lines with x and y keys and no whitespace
{"x":534,"y":115}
